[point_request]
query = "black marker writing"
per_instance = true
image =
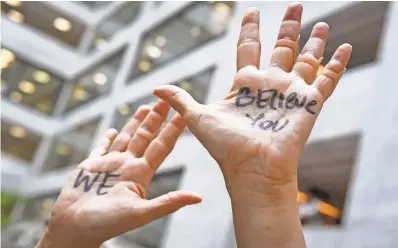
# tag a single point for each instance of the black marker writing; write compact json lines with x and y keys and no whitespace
{"x":87,"y":185}
{"x":311,"y":103}
{"x":281,"y":99}
{"x":86,"y":180}
{"x":271,"y":98}
{"x":267,"y":124}
{"x":300,"y":104}
{"x":254,"y":120}
{"x":289,"y":104}
{"x":263,"y":101}
{"x":244,"y":95}
{"x":104,"y":185}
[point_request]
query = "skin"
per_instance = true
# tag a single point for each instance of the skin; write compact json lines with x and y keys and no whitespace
{"x":260,"y":166}
{"x":85,"y":219}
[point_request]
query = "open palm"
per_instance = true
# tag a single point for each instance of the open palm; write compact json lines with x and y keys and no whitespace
{"x":105,"y":195}
{"x":258,"y":131}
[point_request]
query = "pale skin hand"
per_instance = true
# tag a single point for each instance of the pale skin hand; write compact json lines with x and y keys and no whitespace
{"x":259,"y":158}
{"x":86,"y":216}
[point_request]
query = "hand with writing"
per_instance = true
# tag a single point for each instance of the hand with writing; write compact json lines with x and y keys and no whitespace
{"x":258,"y":132}
{"x":105,"y":195}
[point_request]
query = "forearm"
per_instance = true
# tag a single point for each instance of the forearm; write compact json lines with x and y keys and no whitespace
{"x":271,"y":224}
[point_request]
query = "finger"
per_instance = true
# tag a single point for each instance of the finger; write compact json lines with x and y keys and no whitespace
{"x":169,"y":203}
{"x":308,"y":61}
{"x":104,"y":143}
{"x":249,"y":44}
{"x":148,"y":128}
{"x":287,"y":45}
{"x":164,"y":143}
{"x":180,"y":100}
{"x":122,"y":140}
{"x":327,"y":81}
{"x":106,"y":163}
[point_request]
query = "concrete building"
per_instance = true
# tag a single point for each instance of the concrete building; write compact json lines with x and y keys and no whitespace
{"x":70,"y":70}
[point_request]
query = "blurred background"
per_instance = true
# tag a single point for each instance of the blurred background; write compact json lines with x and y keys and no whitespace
{"x":71,"y":70}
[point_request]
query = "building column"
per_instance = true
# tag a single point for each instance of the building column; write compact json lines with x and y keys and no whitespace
{"x":63,"y":98}
{"x":41,"y":155}
{"x":86,"y":40}
{"x":207,"y":223}
{"x":372,"y":207}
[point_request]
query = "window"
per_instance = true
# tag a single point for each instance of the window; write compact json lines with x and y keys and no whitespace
{"x":39,"y":208}
{"x":106,"y":29}
{"x":25,"y":84}
{"x":95,"y":5}
{"x":125,"y":111}
{"x":45,"y":20}
{"x":324,"y":174}
{"x":360,"y":25}
{"x":95,"y":82}
{"x":18,"y":142}
{"x":151,"y":234}
{"x":72,"y":147}
{"x":197,"y":85}
{"x":27,"y":231}
{"x":193,"y":27}
{"x":158,"y":3}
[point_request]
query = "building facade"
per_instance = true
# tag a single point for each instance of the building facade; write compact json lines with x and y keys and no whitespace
{"x":71,"y":70}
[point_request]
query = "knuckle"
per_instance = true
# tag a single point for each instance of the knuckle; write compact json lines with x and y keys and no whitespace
{"x":309,"y":59}
{"x":144,"y":134}
{"x":286,"y":42}
{"x":335,"y":66}
{"x":248,"y":41}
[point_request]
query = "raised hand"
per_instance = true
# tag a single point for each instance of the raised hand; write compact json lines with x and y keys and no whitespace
{"x":258,"y":132}
{"x":105,"y":195}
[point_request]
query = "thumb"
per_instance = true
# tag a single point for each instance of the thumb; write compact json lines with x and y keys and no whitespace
{"x":170,"y":202}
{"x":179,"y":99}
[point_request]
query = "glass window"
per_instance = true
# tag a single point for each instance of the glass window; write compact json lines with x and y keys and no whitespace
{"x":324,"y":179}
{"x":95,"y":5}
{"x":363,"y":34}
{"x":39,"y":208}
{"x":28,"y":230}
{"x":127,"y":13}
{"x":17,"y":141}
{"x":23,"y":83}
{"x":193,"y":27}
{"x":72,"y":147}
{"x":95,"y":82}
{"x":158,"y":3}
{"x":151,"y":234}
{"x":197,"y":85}
{"x":44,"y":20}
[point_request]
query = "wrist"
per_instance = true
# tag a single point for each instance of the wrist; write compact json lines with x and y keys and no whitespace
{"x":68,"y":237}
{"x":261,"y":192}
